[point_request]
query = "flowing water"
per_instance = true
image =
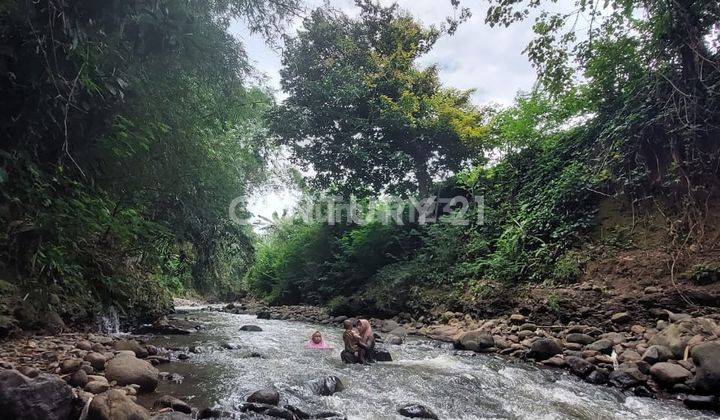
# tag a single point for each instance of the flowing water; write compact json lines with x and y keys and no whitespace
{"x":453,"y":385}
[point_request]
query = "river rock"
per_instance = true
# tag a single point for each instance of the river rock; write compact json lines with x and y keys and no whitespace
{"x":268,"y":396}
{"x":677,"y":336}
{"x":97,"y":360}
{"x":78,"y":379}
{"x":394,"y":340}
{"x":44,"y":397}
{"x":416,"y":411}
{"x":70,"y":365}
{"x":84,"y":345}
{"x":168,"y":401}
{"x":477,"y":341}
{"x":132,"y":346}
{"x":706,"y":357}
{"x":627,"y":375}
{"x":621,"y":318}
{"x":701,"y":402}
{"x":161,"y":327}
{"x":96,"y":387}
{"x":656,"y":353}
{"x":597,"y":377}
{"x":544,"y":348}
{"x":126,"y":370}
{"x":381,"y":354}
{"x":579,"y":338}
{"x":252,"y":328}
{"x":28,"y":371}
{"x":669,"y":373}
{"x":389,"y":325}
{"x":326,"y":386}
{"x":528,"y":327}
{"x":603,"y":346}
{"x":399,"y":332}
{"x":268,"y":410}
{"x":579,"y":366}
{"x":115,"y":405}
{"x":447,"y":333}
{"x":517,"y":319}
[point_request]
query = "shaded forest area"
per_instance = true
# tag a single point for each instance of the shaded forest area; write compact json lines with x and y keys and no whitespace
{"x":128,"y":129}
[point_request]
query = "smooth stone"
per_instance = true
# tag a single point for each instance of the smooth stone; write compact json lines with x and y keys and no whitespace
{"x":114,"y":405}
{"x":268,"y":396}
{"x":126,"y":370}
{"x":168,"y":401}
{"x":656,"y":353}
{"x":416,"y":411}
{"x":326,"y":386}
{"x":133,"y":346}
{"x":669,"y":373}
{"x":251,"y":328}
{"x":544,"y":348}
{"x":579,"y":338}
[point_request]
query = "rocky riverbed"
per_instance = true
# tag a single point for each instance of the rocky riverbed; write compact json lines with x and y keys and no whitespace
{"x":98,"y":376}
{"x":677,"y":357}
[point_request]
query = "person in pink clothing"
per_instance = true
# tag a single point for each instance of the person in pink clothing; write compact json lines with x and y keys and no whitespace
{"x":316,"y":342}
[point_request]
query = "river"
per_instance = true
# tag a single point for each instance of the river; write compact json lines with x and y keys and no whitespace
{"x":454,"y":386}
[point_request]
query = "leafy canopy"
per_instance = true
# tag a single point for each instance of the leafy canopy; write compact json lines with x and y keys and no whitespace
{"x":362,"y":115}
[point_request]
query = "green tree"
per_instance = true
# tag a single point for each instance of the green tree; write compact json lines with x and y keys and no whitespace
{"x":362,"y":114}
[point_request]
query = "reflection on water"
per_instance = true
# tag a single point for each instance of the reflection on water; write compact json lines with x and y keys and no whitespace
{"x":454,"y":386}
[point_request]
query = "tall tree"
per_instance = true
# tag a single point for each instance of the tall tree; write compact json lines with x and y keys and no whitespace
{"x":361,"y":114}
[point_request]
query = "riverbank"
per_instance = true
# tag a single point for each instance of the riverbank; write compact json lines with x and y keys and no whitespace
{"x":90,"y":375}
{"x":660,"y":354}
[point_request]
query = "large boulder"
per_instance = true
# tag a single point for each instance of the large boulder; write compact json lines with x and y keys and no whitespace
{"x":544,"y":348}
{"x":133,"y":346}
{"x":44,"y":397}
{"x":127,"y":370}
{"x":677,"y":336}
{"x":477,"y":341}
{"x":326,"y":386}
{"x":268,"y":396}
{"x":656,"y":353}
{"x":669,"y":373}
{"x":115,"y":405}
{"x":416,"y":411}
{"x":707,"y":367}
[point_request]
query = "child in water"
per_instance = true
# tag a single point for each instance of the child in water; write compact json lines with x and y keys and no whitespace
{"x":353,"y":343}
{"x":316,"y":342}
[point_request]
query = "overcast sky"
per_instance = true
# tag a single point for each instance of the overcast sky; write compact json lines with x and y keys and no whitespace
{"x":489,"y":60}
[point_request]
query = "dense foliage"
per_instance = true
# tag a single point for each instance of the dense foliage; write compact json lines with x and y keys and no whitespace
{"x":128,"y":127}
{"x":640,"y":123}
